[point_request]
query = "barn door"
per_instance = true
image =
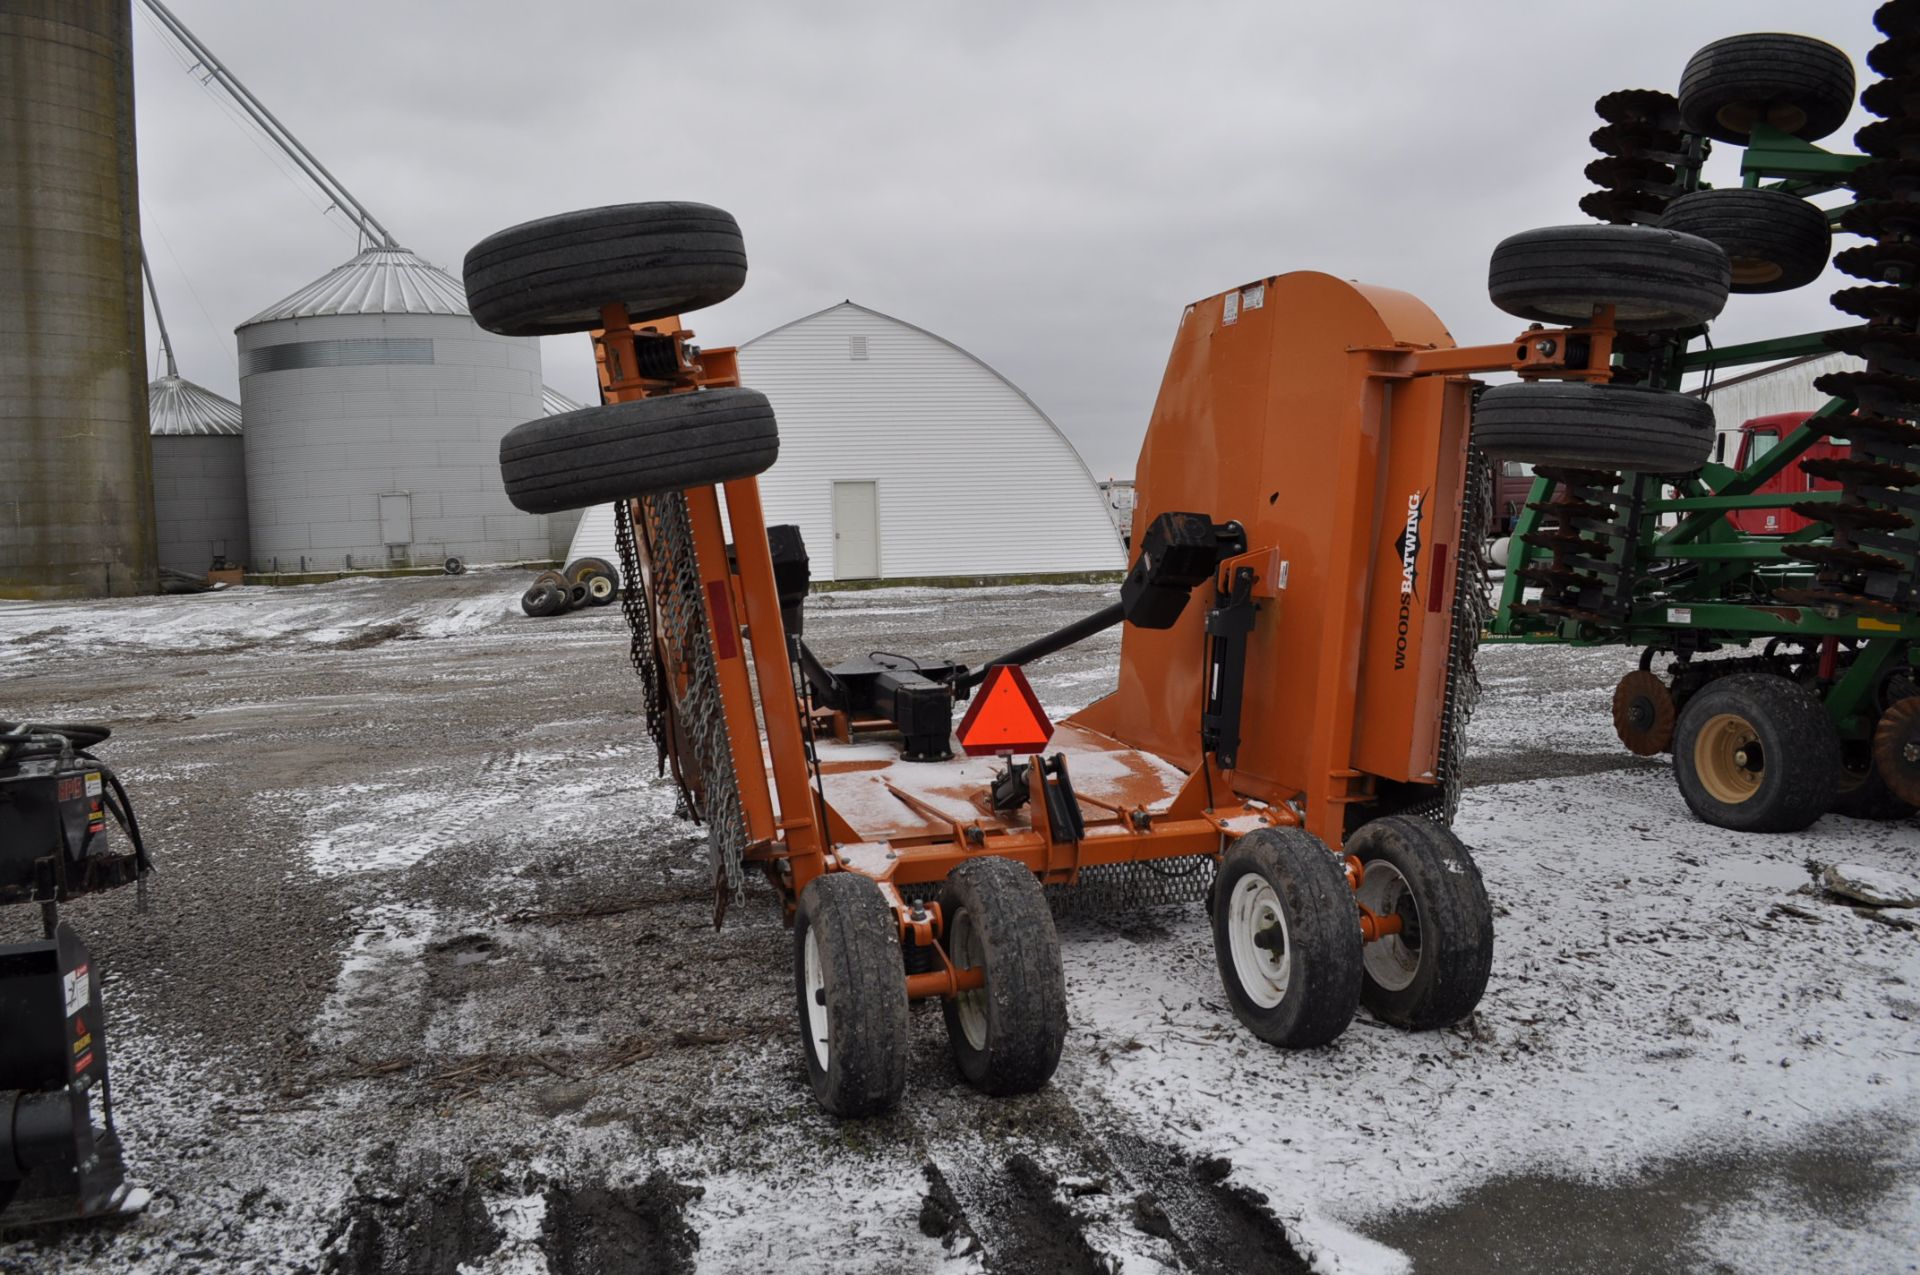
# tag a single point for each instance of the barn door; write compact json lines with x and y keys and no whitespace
{"x":856,"y":531}
{"x":396,"y":523}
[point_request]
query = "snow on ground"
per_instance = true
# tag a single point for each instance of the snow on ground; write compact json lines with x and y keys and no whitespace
{"x":244,"y":617}
{"x":1647,"y":999}
{"x":508,"y":905}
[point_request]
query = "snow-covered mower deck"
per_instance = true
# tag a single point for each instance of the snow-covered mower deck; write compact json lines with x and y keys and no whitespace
{"x":1295,"y":664}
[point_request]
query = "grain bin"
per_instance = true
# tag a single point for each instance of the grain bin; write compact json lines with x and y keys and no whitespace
{"x":373,"y":409}
{"x":199,"y":476}
{"x":76,"y":503}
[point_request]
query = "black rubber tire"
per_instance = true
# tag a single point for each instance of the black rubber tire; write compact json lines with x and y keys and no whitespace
{"x":601,"y":577}
{"x":1797,"y":84}
{"x":1774,"y":241}
{"x":1594,"y":426}
{"x":543,"y":599}
{"x":1862,"y":792}
{"x":577,"y":594}
{"x":553,"y":275}
{"x":581,"y":568}
{"x":1322,"y":937}
{"x":1445,"y":949}
{"x":863,"y":991}
{"x":454,"y":566}
{"x":1022,"y":1020}
{"x":1799,"y":763}
{"x":621,"y":450}
{"x":602,"y":589}
{"x":1655,"y":279}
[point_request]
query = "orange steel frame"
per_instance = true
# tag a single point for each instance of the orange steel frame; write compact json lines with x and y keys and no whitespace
{"x":1302,"y":416}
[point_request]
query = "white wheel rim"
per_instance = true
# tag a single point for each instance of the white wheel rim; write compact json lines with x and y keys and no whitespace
{"x":963,"y":946}
{"x":1391,"y":961}
{"x":600,"y":587}
{"x":819,"y":1034}
{"x":1253,"y":909}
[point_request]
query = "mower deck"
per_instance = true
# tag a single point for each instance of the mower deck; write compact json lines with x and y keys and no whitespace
{"x":909,"y":822}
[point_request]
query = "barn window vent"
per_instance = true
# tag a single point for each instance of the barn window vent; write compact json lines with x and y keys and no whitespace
{"x":857,"y":347}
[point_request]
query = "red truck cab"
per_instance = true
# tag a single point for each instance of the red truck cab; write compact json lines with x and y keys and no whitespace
{"x":1761,"y":435}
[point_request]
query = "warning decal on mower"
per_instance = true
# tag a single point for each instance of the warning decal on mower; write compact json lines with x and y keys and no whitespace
{"x":76,"y":990}
{"x":1005,"y":718}
{"x":94,"y":787}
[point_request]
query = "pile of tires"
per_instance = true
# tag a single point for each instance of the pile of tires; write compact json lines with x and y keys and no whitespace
{"x":586,"y":582}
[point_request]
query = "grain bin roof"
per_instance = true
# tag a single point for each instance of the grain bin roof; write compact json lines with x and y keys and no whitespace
{"x":378,"y":281}
{"x":176,"y":406}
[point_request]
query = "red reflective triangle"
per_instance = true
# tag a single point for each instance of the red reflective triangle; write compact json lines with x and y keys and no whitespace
{"x":1004,"y":717}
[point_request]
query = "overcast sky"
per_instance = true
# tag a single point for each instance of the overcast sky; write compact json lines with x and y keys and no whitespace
{"x":1047,"y":186}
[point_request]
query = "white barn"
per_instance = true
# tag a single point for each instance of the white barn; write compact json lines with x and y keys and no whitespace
{"x":902,"y":456}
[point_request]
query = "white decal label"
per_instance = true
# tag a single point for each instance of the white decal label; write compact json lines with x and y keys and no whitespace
{"x":76,"y":989}
{"x":1232,"y":308}
{"x":1253,"y":298}
{"x":1282,"y":582}
{"x":1679,"y":615}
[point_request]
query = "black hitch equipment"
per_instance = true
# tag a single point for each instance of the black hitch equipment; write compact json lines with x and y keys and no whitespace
{"x":59,"y":1155}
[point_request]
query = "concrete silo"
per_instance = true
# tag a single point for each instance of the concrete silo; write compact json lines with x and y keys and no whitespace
{"x":199,"y":477}
{"x":374,"y":408}
{"x":76,"y":500}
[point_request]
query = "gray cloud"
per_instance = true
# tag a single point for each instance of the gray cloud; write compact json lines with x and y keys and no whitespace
{"x":1045,"y":185}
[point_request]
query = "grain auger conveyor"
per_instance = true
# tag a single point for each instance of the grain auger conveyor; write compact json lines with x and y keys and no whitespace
{"x":1774,"y":591}
{"x":1300,"y":618}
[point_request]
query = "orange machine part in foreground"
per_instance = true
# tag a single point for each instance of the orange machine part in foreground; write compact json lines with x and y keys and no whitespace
{"x":1329,"y":420}
{"x":1288,"y":406}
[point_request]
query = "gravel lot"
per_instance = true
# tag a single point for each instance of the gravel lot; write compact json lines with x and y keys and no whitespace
{"x":429,"y":984}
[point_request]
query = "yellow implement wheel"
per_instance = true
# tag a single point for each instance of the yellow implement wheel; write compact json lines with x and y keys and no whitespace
{"x":1756,"y":752}
{"x":1729,"y":758}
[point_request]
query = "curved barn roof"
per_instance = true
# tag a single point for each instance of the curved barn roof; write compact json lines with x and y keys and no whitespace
{"x":378,"y":281}
{"x":970,"y":476}
{"x":176,"y":406}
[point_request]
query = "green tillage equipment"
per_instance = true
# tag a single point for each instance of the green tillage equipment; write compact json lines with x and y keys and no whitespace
{"x":1671,"y":573}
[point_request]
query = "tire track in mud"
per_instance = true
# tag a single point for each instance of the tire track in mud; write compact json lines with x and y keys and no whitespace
{"x":1086,"y":1201}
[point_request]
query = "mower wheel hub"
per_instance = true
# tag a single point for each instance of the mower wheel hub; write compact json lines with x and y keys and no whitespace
{"x":1258,"y":939}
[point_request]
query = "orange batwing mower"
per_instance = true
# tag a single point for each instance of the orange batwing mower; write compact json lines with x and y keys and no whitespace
{"x":1299,"y":617}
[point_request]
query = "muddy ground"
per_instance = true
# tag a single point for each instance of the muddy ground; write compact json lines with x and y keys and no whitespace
{"x":429,"y":983}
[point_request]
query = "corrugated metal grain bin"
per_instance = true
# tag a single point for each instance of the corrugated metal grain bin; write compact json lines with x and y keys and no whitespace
{"x":199,"y":477}
{"x":374,"y":408}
